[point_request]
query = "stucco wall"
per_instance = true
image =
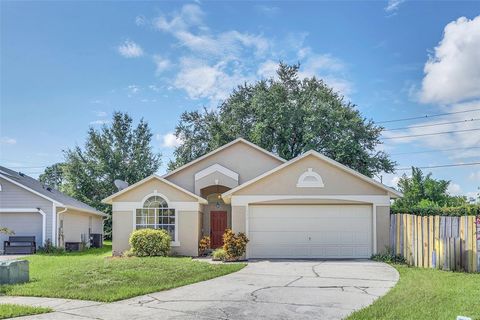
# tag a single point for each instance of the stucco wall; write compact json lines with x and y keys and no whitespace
{"x":336,"y":181}
{"x":383,"y":228}
{"x":189,"y":228}
{"x":77,"y":223}
{"x":241,"y":158}
{"x":122,"y":227}
{"x":238,"y":218}
{"x":13,"y":196}
{"x":188,"y":233}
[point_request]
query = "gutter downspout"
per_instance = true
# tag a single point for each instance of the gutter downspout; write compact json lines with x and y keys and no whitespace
{"x":58,"y":219}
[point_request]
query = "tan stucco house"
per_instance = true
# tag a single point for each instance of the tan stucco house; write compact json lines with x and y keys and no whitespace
{"x":29,"y":208}
{"x":308,"y":207}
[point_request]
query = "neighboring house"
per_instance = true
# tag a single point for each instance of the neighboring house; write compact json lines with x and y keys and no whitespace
{"x":308,"y":207}
{"x":29,"y":208}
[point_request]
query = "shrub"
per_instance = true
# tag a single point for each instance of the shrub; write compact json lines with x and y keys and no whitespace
{"x":466,"y":210}
{"x":219,"y":255}
{"x":49,"y":248}
{"x":234,"y":244}
{"x":150,"y":242}
{"x":204,"y":245}
{"x":389,"y":256}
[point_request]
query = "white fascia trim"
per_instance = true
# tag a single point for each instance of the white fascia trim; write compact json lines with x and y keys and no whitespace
{"x":216,"y":168}
{"x":220,"y":149}
{"x":322,"y":157}
{"x":31,"y":190}
{"x":33,"y":210}
{"x":245,"y":200}
{"x":108,"y":200}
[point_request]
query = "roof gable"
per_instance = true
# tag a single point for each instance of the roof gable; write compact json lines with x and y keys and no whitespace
{"x":226,"y":146}
{"x":146,"y":181}
{"x":36,"y":187}
{"x":335,"y":178}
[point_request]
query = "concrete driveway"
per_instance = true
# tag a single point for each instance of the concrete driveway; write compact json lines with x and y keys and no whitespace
{"x":262,"y":290}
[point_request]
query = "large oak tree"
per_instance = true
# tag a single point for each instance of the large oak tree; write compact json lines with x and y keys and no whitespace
{"x":288,"y":116}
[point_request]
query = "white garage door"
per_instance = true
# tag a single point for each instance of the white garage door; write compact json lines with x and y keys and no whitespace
{"x":23,"y":224}
{"x":310,"y":231}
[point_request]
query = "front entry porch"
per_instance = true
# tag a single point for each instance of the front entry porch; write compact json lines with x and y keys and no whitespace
{"x":217,"y":215}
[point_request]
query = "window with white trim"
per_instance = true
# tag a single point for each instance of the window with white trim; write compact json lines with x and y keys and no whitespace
{"x":156,"y":214}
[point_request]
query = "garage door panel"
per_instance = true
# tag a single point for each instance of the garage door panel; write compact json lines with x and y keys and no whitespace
{"x":316,"y":231}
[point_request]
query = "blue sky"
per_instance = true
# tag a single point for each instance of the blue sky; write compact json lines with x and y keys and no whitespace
{"x":66,"y":66}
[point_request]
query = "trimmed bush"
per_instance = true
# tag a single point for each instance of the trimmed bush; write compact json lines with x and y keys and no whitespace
{"x":203,"y":246}
{"x":219,"y":255}
{"x":234,"y":245}
{"x":467,"y":210}
{"x":150,"y":242}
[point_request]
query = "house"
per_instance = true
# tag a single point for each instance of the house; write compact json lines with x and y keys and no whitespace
{"x":29,"y":208}
{"x":308,"y":207}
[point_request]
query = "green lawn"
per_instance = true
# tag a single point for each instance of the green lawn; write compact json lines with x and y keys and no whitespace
{"x":94,"y":275}
{"x":427,"y":294}
{"x":8,"y":310}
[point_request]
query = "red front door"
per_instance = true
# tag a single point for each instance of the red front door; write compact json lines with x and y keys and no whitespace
{"x":218,"y":224}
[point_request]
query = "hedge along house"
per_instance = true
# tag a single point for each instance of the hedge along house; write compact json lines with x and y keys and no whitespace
{"x":28,"y":208}
{"x":308,"y":207}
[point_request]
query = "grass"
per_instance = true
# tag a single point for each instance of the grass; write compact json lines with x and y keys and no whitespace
{"x":427,"y":294}
{"x":8,"y":310}
{"x":95,"y":275}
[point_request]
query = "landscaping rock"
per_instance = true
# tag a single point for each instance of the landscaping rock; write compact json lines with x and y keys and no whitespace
{"x":14,"y":271}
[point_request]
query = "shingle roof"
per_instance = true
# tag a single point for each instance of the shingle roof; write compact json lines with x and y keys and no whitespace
{"x":50,"y":193}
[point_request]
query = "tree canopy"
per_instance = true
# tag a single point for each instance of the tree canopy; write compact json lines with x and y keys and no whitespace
{"x":425,"y":191}
{"x":286,"y":116}
{"x":116,"y":151}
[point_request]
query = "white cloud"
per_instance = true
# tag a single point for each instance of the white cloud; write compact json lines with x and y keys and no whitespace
{"x":99,"y":122}
{"x":169,"y":140}
{"x":269,"y":11}
{"x":452,"y":74}
{"x":133,"y":89}
{"x":268,"y":69}
{"x":154,"y":88}
{"x":326,"y":67}
{"x":202,"y":80}
{"x":130,"y":49}
{"x":188,"y":27}
{"x":101,"y":113}
{"x":475,"y":176}
{"x":210,"y":64}
{"x":393,"y":5}
{"x":161,"y":63}
{"x":140,"y":20}
{"x":7,"y":140}
{"x":454,"y":189}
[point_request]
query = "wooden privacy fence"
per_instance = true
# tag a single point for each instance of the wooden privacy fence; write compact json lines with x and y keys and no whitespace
{"x":447,"y":243}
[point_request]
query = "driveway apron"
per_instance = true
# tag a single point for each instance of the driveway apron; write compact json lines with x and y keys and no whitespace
{"x":265,"y":289}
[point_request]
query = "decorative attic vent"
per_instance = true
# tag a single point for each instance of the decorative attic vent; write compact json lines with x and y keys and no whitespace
{"x":310,"y":179}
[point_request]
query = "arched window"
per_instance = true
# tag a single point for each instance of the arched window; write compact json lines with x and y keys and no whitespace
{"x":155,"y":202}
{"x":156,"y":214}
